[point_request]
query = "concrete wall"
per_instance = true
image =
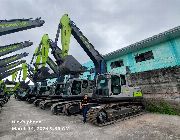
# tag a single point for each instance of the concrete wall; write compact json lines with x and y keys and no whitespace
{"x":158,"y":83}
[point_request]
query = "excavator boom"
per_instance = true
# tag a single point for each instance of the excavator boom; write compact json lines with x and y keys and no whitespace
{"x":14,"y":47}
{"x":14,"y":75}
{"x":56,"y":51}
{"x":10,"y":66}
{"x":98,"y":60}
{"x":25,"y":70}
{"x":45,"y":49}
{"x":10,"y":72}
{"x":16,"y":25}
{"x":65,"y":34}
{"x":13,"y":58}
{"x":52,"y":65}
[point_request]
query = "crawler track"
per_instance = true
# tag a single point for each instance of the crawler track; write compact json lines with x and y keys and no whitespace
{"x":95,"y":113}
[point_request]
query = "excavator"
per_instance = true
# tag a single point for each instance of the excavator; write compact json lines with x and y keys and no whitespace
{"x":38,"y":74}
{"x":3,"y":94}
{"x":63,"y":66}
{"x":112,"y":98}
{"x":67,"y":28}
{"x":6,"y":70}
{"x":74,"y":88}
{"x":21,"y":87}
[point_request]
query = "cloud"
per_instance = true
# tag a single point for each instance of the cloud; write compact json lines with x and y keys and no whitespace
{"x":108,"y":24}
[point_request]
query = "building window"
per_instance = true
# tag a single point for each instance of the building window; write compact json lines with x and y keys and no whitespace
{"x":144,"y":56}
{"x":116,"y":64}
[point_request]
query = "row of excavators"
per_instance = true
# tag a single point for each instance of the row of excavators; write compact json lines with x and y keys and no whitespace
{"x":110,"y":97}
{"x":9,"y":65}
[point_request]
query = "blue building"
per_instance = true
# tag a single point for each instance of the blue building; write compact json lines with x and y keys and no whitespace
{"x":156,"y":52}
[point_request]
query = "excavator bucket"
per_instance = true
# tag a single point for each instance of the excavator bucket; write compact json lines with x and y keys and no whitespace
{"x":16,"y":25}
{"x":14,"y":47}
{"x":70,"y":66}
{"x":65,"y":34}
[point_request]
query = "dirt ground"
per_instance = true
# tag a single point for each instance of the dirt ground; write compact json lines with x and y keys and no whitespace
{"x":22,"y":121}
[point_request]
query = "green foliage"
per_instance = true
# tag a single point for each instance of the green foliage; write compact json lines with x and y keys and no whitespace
{"x":161,"y":106}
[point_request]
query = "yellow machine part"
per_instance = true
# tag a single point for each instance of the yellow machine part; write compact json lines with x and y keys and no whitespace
{"x":45,"y":49}
{"x":16,"y":86}
{"x":38,"y":58}
{"x":137,"y":94}
{"x":65,"y":34}
{"x":25,"y":69}
{"x":14,"y":75}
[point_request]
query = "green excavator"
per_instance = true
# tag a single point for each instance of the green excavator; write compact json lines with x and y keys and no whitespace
{"x":112,"y":98}
{"x":66,"y":65}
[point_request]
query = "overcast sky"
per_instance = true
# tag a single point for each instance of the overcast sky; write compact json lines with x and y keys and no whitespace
{"x":108,"y":24}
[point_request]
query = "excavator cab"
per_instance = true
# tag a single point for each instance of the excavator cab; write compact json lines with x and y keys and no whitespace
{"x":76,"y":87}
{"x":59,"y":88}
{"x":73,"y":87}
{"x":102,"y":85}
{"x":114,"y":85}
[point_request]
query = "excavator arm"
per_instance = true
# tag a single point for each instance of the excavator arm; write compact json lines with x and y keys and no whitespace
{"x":25,"y":70}
{"x":11,"y":59}
{"x":14,"y":75}
{"x":14,"y":47}
{"x":10,"y":72}
{"x":52,"y":65}
{"x":98,"y":60}
{"x":41,"y":52}
{"x":10,"y":66}
{"x":65,"y":24}
{"x":16,"y":25}
{"x":45,"y":49}
{"x":65,"y":34}
{"x":56,"y":51}
{"x":41,"y":55}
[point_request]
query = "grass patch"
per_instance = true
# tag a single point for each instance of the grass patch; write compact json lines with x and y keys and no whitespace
{"x":161,"y":106}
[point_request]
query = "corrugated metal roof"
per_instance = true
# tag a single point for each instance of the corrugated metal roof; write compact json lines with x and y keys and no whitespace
{"x":156,"y":39}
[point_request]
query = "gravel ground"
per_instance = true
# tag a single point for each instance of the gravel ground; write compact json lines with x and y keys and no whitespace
{"x":22,"y":121}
